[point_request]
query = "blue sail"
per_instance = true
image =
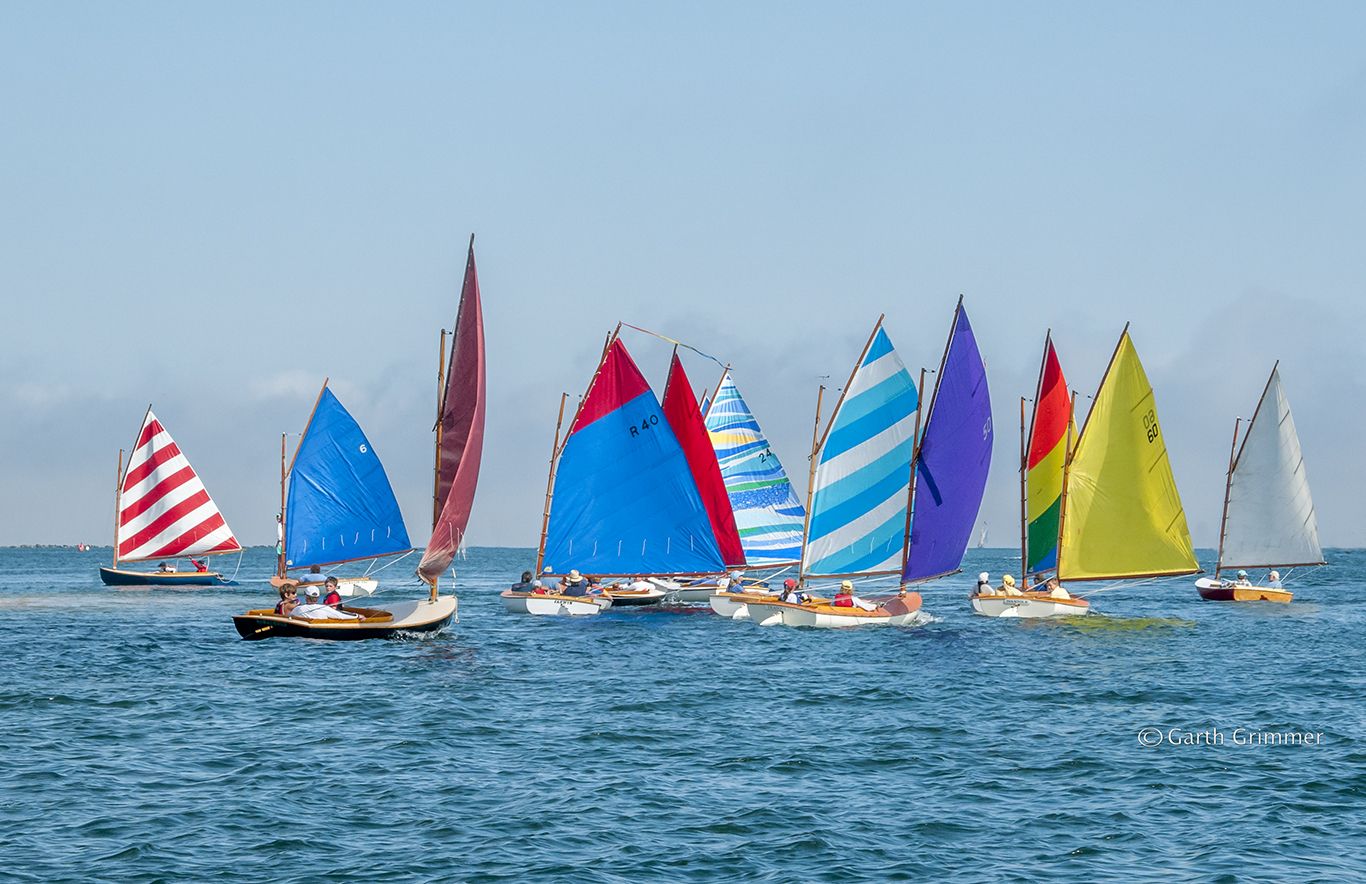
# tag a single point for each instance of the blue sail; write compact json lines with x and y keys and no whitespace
{"x":340,"y":507}
{"x":863,"y":472}
{"x":624,"y":497}
{"x":767,"y":513}
{"x":955,"y":457}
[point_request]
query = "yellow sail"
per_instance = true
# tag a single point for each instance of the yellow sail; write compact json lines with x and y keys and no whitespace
{"x":1122,"y":515}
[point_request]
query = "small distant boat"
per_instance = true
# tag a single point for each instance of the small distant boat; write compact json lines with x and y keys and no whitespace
{"x":162,"y":511}
{"x":621,"y":500}
{"x":982,"y":541}
{"x":1118,"y":510}
{"x":1268,"y":519}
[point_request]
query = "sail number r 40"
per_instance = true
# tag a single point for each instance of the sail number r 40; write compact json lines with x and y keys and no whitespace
{"x":647,"y":423}
{"x":1150,"y":424}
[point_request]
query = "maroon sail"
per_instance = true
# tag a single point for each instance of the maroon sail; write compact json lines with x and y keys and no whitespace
{"x":680,"y":409}
{"x":461,"y":428}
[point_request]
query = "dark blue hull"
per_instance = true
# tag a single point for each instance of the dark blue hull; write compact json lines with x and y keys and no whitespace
{"x":116,"y":577}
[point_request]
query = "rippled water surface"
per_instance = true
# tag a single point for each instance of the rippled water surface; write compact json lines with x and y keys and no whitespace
{"x":144,"y":741}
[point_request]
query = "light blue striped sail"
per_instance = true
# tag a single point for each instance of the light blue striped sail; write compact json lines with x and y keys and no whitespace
{"x":767,"y":512}
{"x":863,"y":472}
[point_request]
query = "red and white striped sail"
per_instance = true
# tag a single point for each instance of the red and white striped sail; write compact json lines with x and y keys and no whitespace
{"x":164,"y":510}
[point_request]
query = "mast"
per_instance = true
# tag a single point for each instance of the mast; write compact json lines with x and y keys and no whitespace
{"x":440,"y":415}
{"x":1228,"y":487}
{"x":280,"y":565}
{"x":550,"y":485}
{"x":845,"y":392}
{"x":810,"y":485}
{"x":118,"y":502}
{"x":910,"y":480}
{"x":1024,"y":512}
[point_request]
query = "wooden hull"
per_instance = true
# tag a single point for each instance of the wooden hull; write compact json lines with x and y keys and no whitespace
{"x":420,"y":617}
{"x":633,"y":598}
{"x":1215,"y":591}
{"x":1030,"y":606}
{"x":548,"y":605}
{"x":119,"y":577}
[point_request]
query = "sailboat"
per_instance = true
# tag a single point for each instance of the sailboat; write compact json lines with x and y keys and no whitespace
{"x":1268,"y":519}
{"x":459,"y":432}
{"x":339,"y":509}
{"x":1120,"y":516}
{"x":621,"y":500}
{"x":1043,"y":453}
{"x":858,"y":495}
{"x":163,"y":511}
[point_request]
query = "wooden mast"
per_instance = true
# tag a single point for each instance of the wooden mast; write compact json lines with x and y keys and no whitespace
{"x":910,"y":480}
{"x":440,"y":421}
{"x":118,"y":502}
{"x":280,"y":565}
{"x":550,"y":485}
{"x":1024,"y":512}
{"x":284,"y":472}
{"x":810,"y":486}
{"x":1228,"y":487}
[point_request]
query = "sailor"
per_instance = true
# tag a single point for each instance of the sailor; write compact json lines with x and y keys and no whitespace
{"x":166,"y":567}
{"x":1242,"y":579}
{"x":199,"y":566}
{"x":845,"y":598}
{"x":639,"y":584}
{"x":789,"y":593}
{"x":984,"y":585}
{"x":289,"y":600}
{"x":526,"y":585}
{"x":1274,"y":580}
{"x":1008,"y":585}
{"x":1055,"y":590}
{"x":312,"y":610}
{"x":575,"y":584}
{"x":333,"y":598}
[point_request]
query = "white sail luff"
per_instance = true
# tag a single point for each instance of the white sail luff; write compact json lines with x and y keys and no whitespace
{"x":1270,"y":511}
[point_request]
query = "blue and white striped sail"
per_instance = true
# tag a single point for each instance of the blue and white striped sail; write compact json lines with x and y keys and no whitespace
{"x":863,"y":472}
{"x":767,"y":513}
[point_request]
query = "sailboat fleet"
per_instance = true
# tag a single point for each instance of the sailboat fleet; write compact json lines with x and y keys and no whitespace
{"x":651,"y":499}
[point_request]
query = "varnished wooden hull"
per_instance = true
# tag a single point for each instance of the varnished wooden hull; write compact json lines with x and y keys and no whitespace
{"x":422,"y":616}
{"x":120,"y":577}
{"x":1215,"y":592}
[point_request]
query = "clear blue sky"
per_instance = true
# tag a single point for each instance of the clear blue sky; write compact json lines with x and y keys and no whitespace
{"x":211,"y":207}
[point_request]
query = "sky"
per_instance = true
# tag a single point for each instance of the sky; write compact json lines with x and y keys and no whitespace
{"x":212,"y":207}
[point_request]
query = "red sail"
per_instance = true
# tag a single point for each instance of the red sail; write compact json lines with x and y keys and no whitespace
{"x":462,"y":430}
{"x":680,"y":409}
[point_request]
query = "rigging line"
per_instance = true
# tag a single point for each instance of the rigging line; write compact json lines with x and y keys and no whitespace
{"x":676,"y":343}
{"x":374,"y":570}
{"x":1116,"y":585}
{"x":240,"y":553}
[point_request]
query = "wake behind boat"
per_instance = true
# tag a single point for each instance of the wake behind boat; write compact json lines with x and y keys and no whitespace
{"x":163,"y":511}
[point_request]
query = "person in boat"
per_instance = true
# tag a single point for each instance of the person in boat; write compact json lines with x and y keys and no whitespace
{"x":166,"y":567}
{"x":333,"y":598}
{"x":526,"y":584}
{"x":1242,"y":579}
{"x":845,"y":598}
{"x":289,"y":600}
{"x":789,"y":593}
{"x":639,"y":584}
{"x":199,"y":566}
{"x":1055,"y":590}
{"x":311,"y":609}
{"x":984,"y":585}
{"x":1273,"y":580}
{"x":1008,"y":586}
{"x":574,"y":584}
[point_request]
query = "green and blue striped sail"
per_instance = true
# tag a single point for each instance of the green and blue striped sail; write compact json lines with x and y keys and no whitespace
{"x":863,"y":472}
{"x":767,"y":513}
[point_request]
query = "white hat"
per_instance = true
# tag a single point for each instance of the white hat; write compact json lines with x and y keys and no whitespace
{"x":311,"y":592}
{"x":847,"y":584}
{"x":984,"y":577}
{"x":1275,"y":575}
{"x":735,"y":575}
{"x":575,"y":575}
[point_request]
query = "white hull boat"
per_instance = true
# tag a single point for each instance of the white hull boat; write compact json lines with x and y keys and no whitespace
{"x":734,"y":605}
{"x":1032,"y":606}
{"x":554,"y":605}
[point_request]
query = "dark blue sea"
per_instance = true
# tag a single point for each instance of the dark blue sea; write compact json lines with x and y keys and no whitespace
{"x":145,"y":742}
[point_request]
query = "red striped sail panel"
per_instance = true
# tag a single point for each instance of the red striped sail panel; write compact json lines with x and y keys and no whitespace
{"x":462,"y":430}
{"x":164,"y":510}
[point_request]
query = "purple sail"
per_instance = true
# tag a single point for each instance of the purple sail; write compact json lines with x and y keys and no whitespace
{"x":955,"y":457}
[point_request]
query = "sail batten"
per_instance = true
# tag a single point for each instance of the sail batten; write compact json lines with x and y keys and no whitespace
{"x":859,"y":495}
{"x":461,"y":430}
{"x":768,"y":515}
{"x":1122,"y":515}
{"x":164,"y":508}
{"x":1270,"y":521}
{"x":338,"y":489}
{"x":954,"y":460}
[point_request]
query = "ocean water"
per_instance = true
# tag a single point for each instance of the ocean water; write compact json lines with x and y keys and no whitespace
{"x":145,"y":742}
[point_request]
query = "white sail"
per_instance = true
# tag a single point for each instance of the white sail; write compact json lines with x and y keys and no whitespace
{"x":1270,"y":513}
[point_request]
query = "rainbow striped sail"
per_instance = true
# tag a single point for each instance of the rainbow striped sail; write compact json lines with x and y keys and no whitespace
{"x":767,"y":513}
{"x":1047,"y":450}
{"x":863,"y":472}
